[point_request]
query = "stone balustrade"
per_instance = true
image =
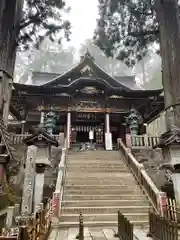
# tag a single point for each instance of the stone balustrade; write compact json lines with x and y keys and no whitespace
{"x":144,"y":141}
{"x":157,"y":126}
{"x":58,"y":194}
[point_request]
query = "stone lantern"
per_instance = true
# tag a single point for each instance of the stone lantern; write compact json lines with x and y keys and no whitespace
{"x":50,"y":121}
{"x":170,"y":145}
{"x":43,"y":141}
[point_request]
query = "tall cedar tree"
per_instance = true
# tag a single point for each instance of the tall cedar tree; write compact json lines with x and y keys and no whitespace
{"x":23,"y":22}
{"x":126,"y":28}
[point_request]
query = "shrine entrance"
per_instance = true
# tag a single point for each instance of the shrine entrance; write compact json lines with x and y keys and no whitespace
{"x":83,"y":123}
{"x":80,"y":133}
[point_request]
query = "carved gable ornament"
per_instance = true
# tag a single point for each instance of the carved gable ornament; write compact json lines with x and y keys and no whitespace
{"x":90,"y":90}
{"x":87,"y":71}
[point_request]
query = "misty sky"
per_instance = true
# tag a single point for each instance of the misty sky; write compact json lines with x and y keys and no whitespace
{"x":83,"y":17}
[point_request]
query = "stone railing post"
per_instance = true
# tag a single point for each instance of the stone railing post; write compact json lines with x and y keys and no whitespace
{"x":162,"y":203}
{"x":9,"y":218}
{"x":146,"y":140}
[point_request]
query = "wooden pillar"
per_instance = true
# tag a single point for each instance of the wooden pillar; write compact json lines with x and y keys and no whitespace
{"x":107,"y":122}
{"x":42,"y":118}
{"x":68,"y":129}
{"x":108,"y":134}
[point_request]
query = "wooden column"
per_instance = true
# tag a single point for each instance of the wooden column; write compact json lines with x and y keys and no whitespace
{"x":42,"y":117}
{"x":107,"y":122}
{"x":68,"y":128}
{"x":108,"y":134}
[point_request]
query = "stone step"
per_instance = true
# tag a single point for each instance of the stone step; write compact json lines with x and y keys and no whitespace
{"x":93,"y":170}
{"x":107,"y":191}
{"x":99,"y":182}
{"x":103,"y":217}
{"x":103,"y":197}
{"x":101,"y":160}
{"x":81,"y":175}
{"x":97,"y":156}
{"x":95,"y":165}
{"x":105,"y":209}
{"x":96,"y":203}
{"x":96,"y":153}
{"x":100,"y":187}
{"x":97,"y":224}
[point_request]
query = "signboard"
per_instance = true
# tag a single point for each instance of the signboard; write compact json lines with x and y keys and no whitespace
{"x":91,"y":135}
{"x":77,"y":109}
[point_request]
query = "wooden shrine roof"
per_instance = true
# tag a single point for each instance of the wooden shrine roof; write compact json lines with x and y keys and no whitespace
{"x":85,"y":73}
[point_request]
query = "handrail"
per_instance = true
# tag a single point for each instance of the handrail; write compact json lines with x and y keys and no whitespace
{"x":58,"y":194}
{"x":141,"y":176}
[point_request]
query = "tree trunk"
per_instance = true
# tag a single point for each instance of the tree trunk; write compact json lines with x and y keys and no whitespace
{"x":168,"y":17}
{"x":10,"y":16}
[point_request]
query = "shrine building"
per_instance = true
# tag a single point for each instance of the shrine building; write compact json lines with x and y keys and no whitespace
{"x":83,"y":99}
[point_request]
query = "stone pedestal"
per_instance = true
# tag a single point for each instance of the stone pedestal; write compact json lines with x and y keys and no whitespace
{"x":108,"y":141}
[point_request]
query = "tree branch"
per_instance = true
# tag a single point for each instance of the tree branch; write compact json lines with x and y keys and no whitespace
{"x":30,"y":21}
{"x":143,"y":33}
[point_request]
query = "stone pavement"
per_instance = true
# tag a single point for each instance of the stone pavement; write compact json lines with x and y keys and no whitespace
{"x":93,"y":234}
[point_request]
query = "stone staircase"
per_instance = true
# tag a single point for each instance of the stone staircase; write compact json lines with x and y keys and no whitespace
{"x":98,"y":184}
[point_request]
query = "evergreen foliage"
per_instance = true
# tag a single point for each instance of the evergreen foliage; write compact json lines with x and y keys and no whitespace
{"x":40,"y":19}
{"x":126,"y":28}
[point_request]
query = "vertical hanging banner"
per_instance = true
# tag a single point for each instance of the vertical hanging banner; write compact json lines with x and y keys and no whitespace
{"x":91,"y":135}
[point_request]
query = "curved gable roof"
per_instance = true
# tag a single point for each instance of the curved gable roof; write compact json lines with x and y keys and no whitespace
{"x":87,"y":62}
